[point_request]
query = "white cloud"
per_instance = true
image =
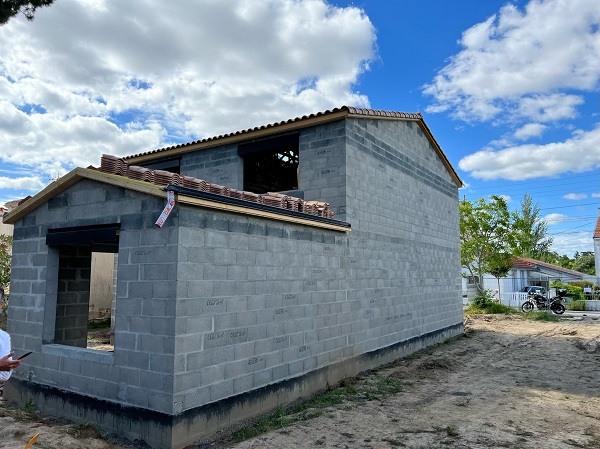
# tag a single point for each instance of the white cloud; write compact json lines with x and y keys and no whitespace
{"x":554,"y":218}
{"x":578,"y":154}
{"x":575,"y":196}
{"x":530,"y":130}
{"x":595,"y":195}
{"x":520,"y":63}
{"x":570,"y":243}
{"x":549,"y":108}
{"x":86,"y":78}
{"x":29,"y":183}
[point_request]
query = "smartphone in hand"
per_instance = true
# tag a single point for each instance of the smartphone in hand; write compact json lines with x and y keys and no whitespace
{"x":24,"y":355}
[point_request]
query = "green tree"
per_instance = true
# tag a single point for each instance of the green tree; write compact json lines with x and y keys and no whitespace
{"x":10,"y":8}
{"x":499,"y":265}
{"x":557,"y":259}
{"x":485,"y":233}
{"x":530,"y":231}
{"x":5,"y":255}
{"x":585,"y":263}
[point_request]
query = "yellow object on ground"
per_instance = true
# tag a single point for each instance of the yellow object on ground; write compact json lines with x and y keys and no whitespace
{"x":35,"y":437}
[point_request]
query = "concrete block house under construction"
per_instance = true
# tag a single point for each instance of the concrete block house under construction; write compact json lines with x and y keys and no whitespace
{"x":295,"y":255}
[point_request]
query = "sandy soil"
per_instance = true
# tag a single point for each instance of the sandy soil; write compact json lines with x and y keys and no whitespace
{"x":508,"y":383}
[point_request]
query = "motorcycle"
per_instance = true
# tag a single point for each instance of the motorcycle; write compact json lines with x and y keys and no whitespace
{"x":542,"y":303}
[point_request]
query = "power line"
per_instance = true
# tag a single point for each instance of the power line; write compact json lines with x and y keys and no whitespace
{"x":530,"y":189}
{"x":563,"y":207}
{"x":576,"y":227}
{"x":569,"y":219}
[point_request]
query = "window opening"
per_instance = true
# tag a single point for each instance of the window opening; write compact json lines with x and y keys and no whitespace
{"x":271,"y":165}
{"x":85,"y":295}
{"x":471,"y":280}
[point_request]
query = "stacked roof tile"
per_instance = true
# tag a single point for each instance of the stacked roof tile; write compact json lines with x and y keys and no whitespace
{"x":116,"y":166}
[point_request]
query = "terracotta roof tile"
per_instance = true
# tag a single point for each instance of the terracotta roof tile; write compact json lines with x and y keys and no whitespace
{"x":527,"y":263}
{"x":115,"y":166}
{"x":597,"y":230}
{"x":296,"y":123}
{"x":348,"y":109}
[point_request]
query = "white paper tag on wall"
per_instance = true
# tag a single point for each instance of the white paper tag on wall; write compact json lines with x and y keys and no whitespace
{"x":167,"y":210}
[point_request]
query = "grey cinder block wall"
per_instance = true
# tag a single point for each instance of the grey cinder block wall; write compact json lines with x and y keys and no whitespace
{"x":220,"y":316}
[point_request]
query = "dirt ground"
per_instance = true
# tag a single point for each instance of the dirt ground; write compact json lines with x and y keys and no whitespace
{"x":508,"y":383}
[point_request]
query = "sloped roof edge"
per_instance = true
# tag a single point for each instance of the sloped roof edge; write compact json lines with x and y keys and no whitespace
{"x":533,"y":264}
{"x":296,"y":124}
{"x":72,"y":178}
{"x":78,"y":174}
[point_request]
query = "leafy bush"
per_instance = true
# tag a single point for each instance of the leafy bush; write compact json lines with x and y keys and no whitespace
{"x":4,"y":305}
{"x":573,"y":291}
{"x":584,"y":284}
{"x":5,"y":255}
{"x":484,"y":300}
{"x":485,"y":303}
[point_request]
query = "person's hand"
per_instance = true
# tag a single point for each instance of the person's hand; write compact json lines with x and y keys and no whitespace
{"x":6,"y":364}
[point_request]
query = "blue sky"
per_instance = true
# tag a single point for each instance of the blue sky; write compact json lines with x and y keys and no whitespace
{"x":511,"y":91}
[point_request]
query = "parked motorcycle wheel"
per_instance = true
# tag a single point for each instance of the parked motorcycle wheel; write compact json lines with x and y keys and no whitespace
{"x":527,"y":306}
{"x":559,"y":309}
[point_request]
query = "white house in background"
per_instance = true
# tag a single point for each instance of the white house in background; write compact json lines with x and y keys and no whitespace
{"x":524,"y":272}
{"x":531,"y":272}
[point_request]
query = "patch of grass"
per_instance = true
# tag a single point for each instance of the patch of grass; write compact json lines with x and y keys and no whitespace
{"x":84,"y":430}
{"x":451,"y":431}
{"x":99,"y":324}
{"x":392,"y":442}
{"x":21,"y":416}
{"x":494,"y":308}
{"x":320,"y":442}
{"x":536,"y":315}
{"x":29,"y":406}
{"x":277,"y":420}
{"x":486,"y":303}
{"x":379,"y":386}
{"x":578,"y":305}
{"x":373,"y":387}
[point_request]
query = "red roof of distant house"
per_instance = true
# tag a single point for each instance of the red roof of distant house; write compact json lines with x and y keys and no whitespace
{"x":525,"y":263}
{"x":597,"y":231}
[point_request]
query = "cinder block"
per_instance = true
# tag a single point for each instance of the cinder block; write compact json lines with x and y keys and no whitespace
{"x":221,"y":390}
{"x":243,"y":383}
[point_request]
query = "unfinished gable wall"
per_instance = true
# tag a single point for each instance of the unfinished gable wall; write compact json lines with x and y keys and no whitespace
{"x":404,"y":257}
